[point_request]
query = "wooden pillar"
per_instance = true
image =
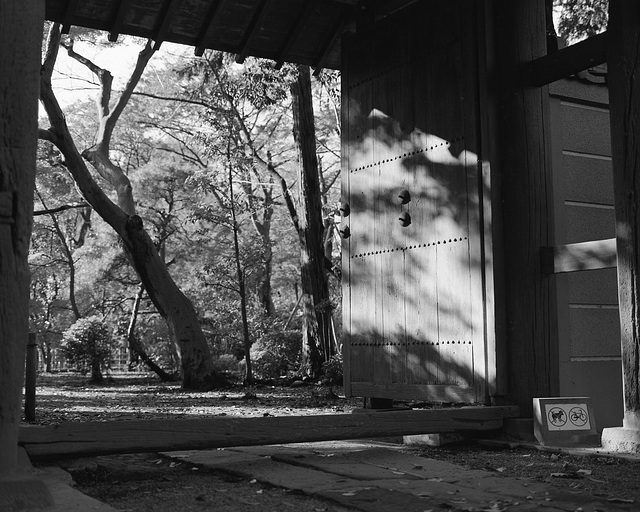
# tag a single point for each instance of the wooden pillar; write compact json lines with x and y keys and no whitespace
{"x":623,"y":61}
{"x":21,"y":23}
{"x":523,"y":161}
{"x":30,"y":379}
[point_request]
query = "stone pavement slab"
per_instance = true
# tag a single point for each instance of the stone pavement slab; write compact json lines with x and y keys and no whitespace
{"x":374,"y":477}
{"x":57,"y":483}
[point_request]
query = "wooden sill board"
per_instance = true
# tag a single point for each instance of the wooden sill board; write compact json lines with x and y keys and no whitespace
{"x":137,"y":436}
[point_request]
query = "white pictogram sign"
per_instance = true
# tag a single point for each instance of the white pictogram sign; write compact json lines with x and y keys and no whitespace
{"x":567,"y":416}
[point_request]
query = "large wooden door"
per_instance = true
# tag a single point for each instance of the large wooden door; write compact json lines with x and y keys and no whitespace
{"x":413,"y":261}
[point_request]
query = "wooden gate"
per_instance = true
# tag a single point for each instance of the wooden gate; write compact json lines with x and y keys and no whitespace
{"x":412,"y":225}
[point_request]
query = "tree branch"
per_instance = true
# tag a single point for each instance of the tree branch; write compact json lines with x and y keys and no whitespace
{"x":177,"y":100}
{"x":143,"y":59}
{"x":60,"y":208}
{"x":60,"y":135}
{"x":104,"y":76}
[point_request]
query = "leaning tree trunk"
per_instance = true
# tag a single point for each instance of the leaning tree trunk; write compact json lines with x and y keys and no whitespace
{"x":135,"y":347}
{"x":315,"y":301}
{"x":178,"y":311}
{"x":20,"y":36}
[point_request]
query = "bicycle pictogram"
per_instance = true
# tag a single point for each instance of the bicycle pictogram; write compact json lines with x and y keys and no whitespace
{"x":578,"y":416}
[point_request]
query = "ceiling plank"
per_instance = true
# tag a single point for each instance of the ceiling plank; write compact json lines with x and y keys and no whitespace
{"x":68,"y":15}
{"x":252,"y":30}
{"x":207,"y":28}
{"x":118,"y":20}
{"x":292,"y":36}
{"x":167,"y":18}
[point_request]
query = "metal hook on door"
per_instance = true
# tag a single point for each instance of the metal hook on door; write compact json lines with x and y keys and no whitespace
{"x":405,"y":219}
{"x":404,"y":196}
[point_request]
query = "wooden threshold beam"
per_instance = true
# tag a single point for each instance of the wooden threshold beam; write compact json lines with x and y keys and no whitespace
{"x":592,"y":255}
{"x":569,"y":61}
{"x":138,"y":436}
{"x":207,"y":28}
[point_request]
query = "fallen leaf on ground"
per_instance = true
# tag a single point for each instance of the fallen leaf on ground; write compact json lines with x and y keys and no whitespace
{"x":620,"y":500}
{"x":565,"y":475}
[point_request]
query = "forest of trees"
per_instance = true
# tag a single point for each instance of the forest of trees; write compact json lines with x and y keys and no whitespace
{"x":175,"y":203}
{"x":185,"y":206}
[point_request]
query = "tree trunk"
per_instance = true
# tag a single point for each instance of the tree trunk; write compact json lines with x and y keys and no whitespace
{"x":135,"y":347}
{"x":315,"y":302}
{"x":20,"y":38}
{"x":96,"y":372}
{"x":173,"y":306}
{"x":264,"y":287}
{"x":248,"y":376}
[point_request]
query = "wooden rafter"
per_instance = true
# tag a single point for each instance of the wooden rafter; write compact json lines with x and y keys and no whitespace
{"x":252,"y":30}
{"x":118,"y":19}
{"x":207,"y":28}
{"x":167,"y":18}
{"x":329,"y":45}
{"x":300,"y":22}
{"x":68,"y":15}
{"x":570,"y":60}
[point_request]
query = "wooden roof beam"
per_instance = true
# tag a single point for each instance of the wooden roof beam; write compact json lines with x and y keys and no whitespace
{"x":252,"y":30}
{"x":118,"y":20}
{"x":207,"y":28}
{"x":300,"y":22}
{"x":167,"y":18}
{"x":569,"y":61}
{"x":70,"y":10}
{"x":332,"y":40}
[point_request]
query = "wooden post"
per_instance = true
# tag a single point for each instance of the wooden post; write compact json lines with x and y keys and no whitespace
{"x":623,"y":62}
{"x":21,"y":23}
{"x":31,"y":373}
{"x":523,"y":163}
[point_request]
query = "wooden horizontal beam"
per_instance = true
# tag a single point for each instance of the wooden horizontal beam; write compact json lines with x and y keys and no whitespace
{"x":138,"y":436}
{"x":593,"y":255}
{"x":569,"y":61}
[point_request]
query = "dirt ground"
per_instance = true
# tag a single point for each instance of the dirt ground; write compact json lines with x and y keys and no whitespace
{"x":144,"y":482}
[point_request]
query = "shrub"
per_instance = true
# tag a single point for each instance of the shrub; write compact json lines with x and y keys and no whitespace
{"x":332,"y":370}
{"x":276,"y":354}
{"x":87,"y":346}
